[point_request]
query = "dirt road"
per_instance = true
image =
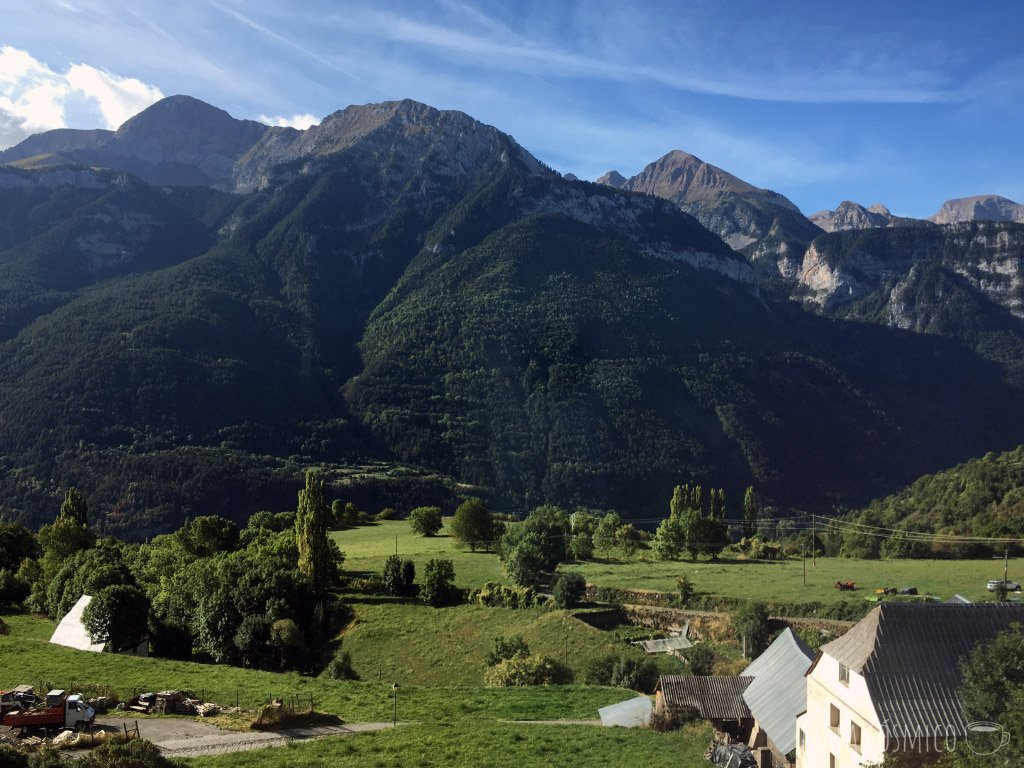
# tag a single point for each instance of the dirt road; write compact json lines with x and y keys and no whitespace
{"x":184,"y":737}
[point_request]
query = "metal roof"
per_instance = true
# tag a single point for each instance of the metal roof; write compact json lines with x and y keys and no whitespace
{"x":779,"y":691}
{"x":71,"y":631}
{"x":910,"y":657}
{"x":664,"y":645}
{"x":713,"y":697}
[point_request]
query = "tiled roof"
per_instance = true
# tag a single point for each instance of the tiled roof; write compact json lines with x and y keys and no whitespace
{"x":779,"y":691}
{"x":713,"y":697}
{"x":910,"y":657}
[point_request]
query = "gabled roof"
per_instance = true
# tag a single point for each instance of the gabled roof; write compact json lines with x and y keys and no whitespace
{"x":778,"y":693}
{"x":910,"y":657}
{"x":712,"y":697}
{"x":71,"y":631}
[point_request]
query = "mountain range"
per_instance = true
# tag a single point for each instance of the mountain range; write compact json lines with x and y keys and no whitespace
{"x":194,"y":308}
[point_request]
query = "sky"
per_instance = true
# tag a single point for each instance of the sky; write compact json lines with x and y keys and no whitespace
{"x":906,"y":103}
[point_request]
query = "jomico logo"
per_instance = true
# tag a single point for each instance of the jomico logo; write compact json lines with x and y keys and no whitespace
{"x":982,"y":737}
{"x":986,"y":738}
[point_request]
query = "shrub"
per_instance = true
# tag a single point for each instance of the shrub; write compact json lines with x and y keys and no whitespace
{"x":438,"y":588}
{"x":751,"y":626}
{"x":388,"y":513}
{"x":340,"y":667}
{"x":621,"y":671}
{"x":495,"y":595}
{"x":686,"y":591}
{"x":4,"y":629}
{"x":527,"y":670}
{"x":133,"y":754}
{"x":398,"y":576}
{"x":701,"y":659}
{"x":426,"y":521}
{"x":11,"y":757}
{"x":664,"y":720}
{"x":502,"y":649}
{"x":569,"y":590}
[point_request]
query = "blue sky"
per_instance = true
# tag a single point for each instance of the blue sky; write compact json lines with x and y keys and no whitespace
{"x":907,"y":103}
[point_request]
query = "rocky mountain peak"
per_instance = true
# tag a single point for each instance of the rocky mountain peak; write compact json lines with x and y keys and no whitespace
{"x":685,"y":178}
{"x":851,"y":215}
{"x":611,"y":179}
{"x":979,"y":208}
{"x":880,"y":209}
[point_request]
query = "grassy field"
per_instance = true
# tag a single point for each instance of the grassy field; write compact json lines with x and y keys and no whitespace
{"x":367,"y":547}
{"x":429,"y":646}
{"x":495,"y":745}
{"x":783,"y":581}
{"x":31,"y":659}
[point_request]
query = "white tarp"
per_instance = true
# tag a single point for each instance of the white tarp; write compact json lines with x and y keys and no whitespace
{"x":667,"y":644}
{"x":634,"y":713}
{"x":71,"y":631}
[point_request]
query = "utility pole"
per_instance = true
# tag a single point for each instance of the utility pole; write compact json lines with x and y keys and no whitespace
{"x":1006,"y":565}
{"x":396,"y":545}
{"x":814,"y":543}
{"x":804,"y":561}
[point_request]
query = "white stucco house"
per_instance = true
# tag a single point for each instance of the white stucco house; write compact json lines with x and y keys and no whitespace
{"x":892,"y":683}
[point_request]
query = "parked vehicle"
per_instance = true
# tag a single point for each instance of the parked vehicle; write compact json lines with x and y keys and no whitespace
{"x":1011,"y":586}
{"x":8,"y":703}
{"x":61,"y":711}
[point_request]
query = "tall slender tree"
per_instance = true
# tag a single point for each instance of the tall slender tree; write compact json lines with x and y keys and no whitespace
{"x":751,"y":513}
{"x":312,"y":520}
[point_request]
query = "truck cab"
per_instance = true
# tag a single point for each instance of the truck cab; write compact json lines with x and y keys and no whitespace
{"x":77,"y":713}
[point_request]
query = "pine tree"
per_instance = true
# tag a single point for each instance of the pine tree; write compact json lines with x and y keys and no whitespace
{"x":311,"y":524}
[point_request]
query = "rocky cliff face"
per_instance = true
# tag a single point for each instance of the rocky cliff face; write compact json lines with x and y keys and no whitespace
{"x":850,"y":215}
{"x":761,"y":224}
{"x":962,"y":280}
{"x":979,"y":208}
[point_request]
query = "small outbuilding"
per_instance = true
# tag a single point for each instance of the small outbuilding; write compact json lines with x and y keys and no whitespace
{"x":71,"y":631}
{"x":715,"y":698}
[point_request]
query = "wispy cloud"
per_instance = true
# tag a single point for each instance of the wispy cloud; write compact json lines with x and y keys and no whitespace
{"x":844,"y":81}
{"x":34,"y":97}
{"x":281,"y":39}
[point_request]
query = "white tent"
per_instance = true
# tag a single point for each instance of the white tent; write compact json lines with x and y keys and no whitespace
{"x":72,"y":633}
{"x":633,"y":713}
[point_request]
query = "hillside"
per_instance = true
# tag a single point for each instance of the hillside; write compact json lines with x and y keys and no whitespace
{"x":982,"y":497}
{"x":409,"y":286}
{"x":962,"y":281}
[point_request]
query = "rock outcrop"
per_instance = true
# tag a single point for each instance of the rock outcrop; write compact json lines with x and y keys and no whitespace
{"x":979,"y":208}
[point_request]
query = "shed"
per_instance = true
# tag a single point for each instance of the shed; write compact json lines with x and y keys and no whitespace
{"x":717,"y":699}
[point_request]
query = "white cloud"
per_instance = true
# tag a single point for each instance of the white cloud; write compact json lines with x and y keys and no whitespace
{"x":118,"y":97}
{"x":34,"y":97}
{"x":302,"y":122}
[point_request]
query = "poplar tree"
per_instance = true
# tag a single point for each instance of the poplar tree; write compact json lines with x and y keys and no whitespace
{"x":74,"y":507}
{"x":751,"y":513}
{"x":311,"y":524}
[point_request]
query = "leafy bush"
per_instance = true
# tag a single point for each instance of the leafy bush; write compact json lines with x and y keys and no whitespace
{"x":438,"y":588}
{"x":686,"y":591}
{"x":495,"y":595}
{"x":12,"y":758}
{"x":426,"y":521}
{"x":398,"y":576}
{"x":340,"y":667}
{"x":506,"y":648}
{"x":621,"y":671}
{"x":750,"y":623}
{"x":527,"y":670}
{"x":4,"y":629}
{"x":569,"y":590}
{"x":133,"y":754}
{"x":701,"y":659}
{"x":388,"y":513}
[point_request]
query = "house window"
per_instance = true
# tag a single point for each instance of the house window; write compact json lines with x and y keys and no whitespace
{"x":803,"y":739}
{"x":844,"y":674}
{"x":855,"y":736}
{"x":833,"y":717}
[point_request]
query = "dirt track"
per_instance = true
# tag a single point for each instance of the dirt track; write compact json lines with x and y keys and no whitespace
{"x":184,"y":737}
